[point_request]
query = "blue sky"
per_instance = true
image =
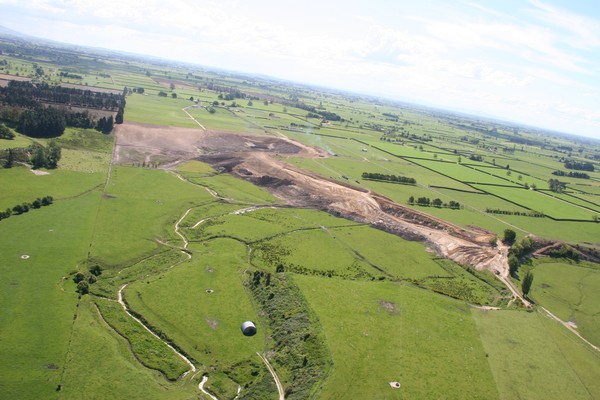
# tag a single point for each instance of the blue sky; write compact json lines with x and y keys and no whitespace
{"x":534,"y":62}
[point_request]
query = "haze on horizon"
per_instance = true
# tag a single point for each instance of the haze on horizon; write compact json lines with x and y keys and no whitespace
{"x":534,"y":62}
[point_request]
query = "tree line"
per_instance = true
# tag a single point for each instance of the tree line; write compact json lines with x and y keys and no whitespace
{"x":579,"y":165}
{"x":390,"y":178}
{"x":438,"y":203}
{"x":30,"y":95}
{"x":571,"y":174}
{"x":531,"y":213}
{"x":25,"y":207}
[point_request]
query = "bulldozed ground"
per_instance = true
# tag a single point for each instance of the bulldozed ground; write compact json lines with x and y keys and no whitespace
{"x":255,"y":158}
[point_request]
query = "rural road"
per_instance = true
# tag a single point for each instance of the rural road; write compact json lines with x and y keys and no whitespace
{"x":194,"y":119}
{"x":275,"y":377}
{"x":570,"y":327}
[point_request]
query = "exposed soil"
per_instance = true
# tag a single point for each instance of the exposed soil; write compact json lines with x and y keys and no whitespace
{"x":253,"y":158}
{"x":212,"y":323}
{"x":389,"y":306}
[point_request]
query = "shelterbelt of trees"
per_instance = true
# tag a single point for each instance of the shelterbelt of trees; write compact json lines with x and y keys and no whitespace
{"x":40,"y":110}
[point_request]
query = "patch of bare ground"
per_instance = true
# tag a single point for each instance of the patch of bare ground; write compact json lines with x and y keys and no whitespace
{"x":212,"y":323}
{"x":250,"y":157}
{"x":389,"y":306}
{"x":167,"y":145}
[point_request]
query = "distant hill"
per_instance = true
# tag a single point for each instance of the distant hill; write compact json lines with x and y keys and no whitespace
{"x":9,"y":32}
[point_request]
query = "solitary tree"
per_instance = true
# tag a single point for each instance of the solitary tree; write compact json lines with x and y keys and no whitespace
{"x":526,"y":284}
{"x":509,"y":236}
{"x":10,"y":159}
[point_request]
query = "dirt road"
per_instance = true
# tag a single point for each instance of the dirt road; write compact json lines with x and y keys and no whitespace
{"x":274,"y":375}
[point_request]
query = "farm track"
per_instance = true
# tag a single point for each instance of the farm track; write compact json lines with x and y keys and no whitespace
{"x":274,"y":375}
{"x":192,"y":118}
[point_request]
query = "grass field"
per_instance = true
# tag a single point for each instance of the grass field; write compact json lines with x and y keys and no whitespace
{"x":21,"y":185}
{"x":570,"y":292}
{"x":100,"y":365}
{"x":206,"y":325}
{"x":539,"y":202}
{"x":137,"y":208}
{"x":38,"y":296}
{"x":152,"y":109}
{"x":529,"y":363}
{"x":372,"y":329}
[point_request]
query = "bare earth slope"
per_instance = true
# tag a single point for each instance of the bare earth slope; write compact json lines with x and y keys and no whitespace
{"x":252,"y":157}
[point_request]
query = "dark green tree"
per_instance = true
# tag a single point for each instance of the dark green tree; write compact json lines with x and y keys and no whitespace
{"x":556,"y":186}
{"x":509,"y":236}
{"x":96,"y":270}
{"x":6,"y":133}
{"x":83,"y":287}
{"x":119,"y":116}
{"x":10,"y":159}
{"x":53,"y":153}
{"x":527,"y":282}
{"x":109,"y":124}
{"x":42,"y":122}
{"x":38,"y":157}
{"x":513,"y":264}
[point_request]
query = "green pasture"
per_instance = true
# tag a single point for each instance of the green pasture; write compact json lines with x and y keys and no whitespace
{"x":527,"y":362}
{"x":137,"y":208}
{"x":18,"y":141}
{"x":206,"y":211}
{"x":38,"y":296}
{"x":570,"y":291}
{"x":513,"y":178}
{"x":206,"y":325}
{"x":592,"y":204}
{"x":86,"y":139}
{"x":195,"y":166}
{"x":400,"y":258}
{"x":224,"y":120}
{"x":151,"y":351}
{"x":313,"y":251}
{"x":589,"y":188}
{"x":155,"y":110}
{"x":539,"y":202}
{"x":572,"y":232}
{"x":409,"y":151}
{"x":587,"y":198}
{"x":100,"y":365}
{"x":21,"y":185}
{"x":372,"y":331}
{"x":233,"y":189}
{"x":250,"y":224}
{"x":463,"y":173}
